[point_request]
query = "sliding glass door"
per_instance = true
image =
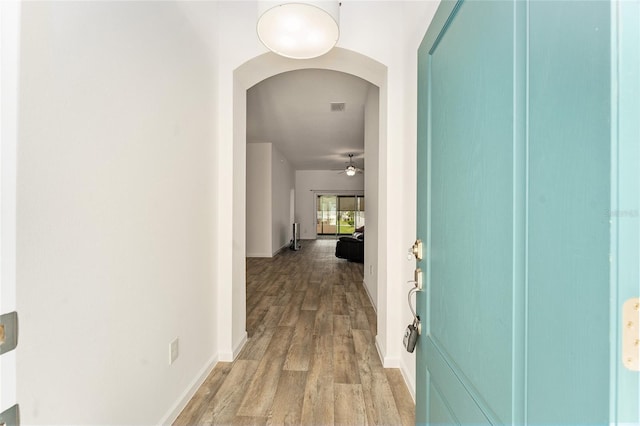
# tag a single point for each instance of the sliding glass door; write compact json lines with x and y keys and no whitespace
{"x":339,"y":214}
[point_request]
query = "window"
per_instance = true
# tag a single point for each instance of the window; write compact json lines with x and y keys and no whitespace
{"x":339,"y":214}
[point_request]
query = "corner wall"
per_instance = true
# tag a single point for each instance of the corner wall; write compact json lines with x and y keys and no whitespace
{"x":259,"y":200}
{"x":371,"y":140}
{"x":114,"y":206}
{"x":282,"y":185}
{"x":270,"y":182}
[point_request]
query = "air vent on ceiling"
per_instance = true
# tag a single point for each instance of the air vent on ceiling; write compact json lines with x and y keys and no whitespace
{"x":337,"y":106}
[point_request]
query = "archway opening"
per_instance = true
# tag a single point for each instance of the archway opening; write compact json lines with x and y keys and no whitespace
{"x":233,"y":289}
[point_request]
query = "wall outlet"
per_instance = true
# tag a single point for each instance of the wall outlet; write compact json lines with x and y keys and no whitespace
{"x":174,"y":351}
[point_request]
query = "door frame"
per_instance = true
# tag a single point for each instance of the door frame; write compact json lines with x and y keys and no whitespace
{"x":625,"y":199}
{"x":232,"y":186}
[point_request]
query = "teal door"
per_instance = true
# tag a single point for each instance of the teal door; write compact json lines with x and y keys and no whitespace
{"x":516,"y":149}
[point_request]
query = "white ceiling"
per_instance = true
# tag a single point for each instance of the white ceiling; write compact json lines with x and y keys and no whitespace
{"x":293,"y":111}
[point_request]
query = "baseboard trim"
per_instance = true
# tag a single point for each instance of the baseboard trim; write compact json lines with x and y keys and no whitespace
{"x":366,"y":289}
{"x":240,"y":345}
{"x":409,"y":381}
{"x":231,"y":356}
{"x":379,"y":349}
{"x":171,"y":416}
{"x":286,"y":246}
{"x":389,"y":362}
{"x":259,"y":255}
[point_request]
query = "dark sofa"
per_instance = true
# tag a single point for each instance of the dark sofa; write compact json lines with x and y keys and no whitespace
{"x":351,"y":248}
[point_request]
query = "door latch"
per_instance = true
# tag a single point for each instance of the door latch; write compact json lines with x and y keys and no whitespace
{"x":8,"y":332}
{"x":417,"y":279}
{"x":631,"y":334}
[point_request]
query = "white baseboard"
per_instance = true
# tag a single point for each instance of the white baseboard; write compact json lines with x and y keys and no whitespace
{"x":263,"y":254}
{"x":231,"y":356}
{"x":390,"y":362}
{"x":387,"y":362}
{"x":240,"y":345}
{"x":258,"y":255}
{"x":171,"y":416}
{"x":286,"y":246}
{"x":380,"y":353}
{"x":409,"y":381}
{"x":366,"y":289}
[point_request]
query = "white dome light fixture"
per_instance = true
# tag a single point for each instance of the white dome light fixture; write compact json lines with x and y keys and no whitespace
{"x":299,"y":30}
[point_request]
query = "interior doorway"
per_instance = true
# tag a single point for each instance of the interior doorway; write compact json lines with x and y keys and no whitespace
{"x":232,"y":264}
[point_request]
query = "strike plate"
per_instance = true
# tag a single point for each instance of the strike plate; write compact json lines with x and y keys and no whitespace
{"x":631,"y":334}
{"x":8,"y":332}
{"x":10,"y":417}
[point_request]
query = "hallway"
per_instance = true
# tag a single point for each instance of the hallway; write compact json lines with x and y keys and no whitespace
{"x":311,"y":357}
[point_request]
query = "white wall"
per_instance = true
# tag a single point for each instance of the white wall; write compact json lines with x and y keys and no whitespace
{"x":124,"y":162}
{"x":115,"y":195}
{"x":239,"y":17}
{"x":9,"y":58}
{"x":371,"y":142}
{"x":308,"y":182}
{"x":259,"y":200}
{"x":270,"y":179}
{"x":282,"y":182}
{"x":417,"y":16}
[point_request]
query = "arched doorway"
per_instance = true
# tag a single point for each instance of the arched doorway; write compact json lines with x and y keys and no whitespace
{"x":233,"y":275}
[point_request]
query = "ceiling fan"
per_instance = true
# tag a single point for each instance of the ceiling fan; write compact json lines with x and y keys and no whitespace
{"x":351,"y":168}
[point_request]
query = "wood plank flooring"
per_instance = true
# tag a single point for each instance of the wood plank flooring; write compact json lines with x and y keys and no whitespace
{"x":311,"y":357}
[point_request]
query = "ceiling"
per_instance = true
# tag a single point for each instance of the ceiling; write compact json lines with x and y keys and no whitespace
{"x":292,"y":110}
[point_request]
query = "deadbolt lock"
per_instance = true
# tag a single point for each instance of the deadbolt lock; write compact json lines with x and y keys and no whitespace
{"x":416,"y":249}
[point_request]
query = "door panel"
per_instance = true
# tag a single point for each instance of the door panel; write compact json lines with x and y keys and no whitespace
{"x":453,"y":388}
{"x":470,"y":232}
{"x":568,"y":212}
{"x":439,"y":412}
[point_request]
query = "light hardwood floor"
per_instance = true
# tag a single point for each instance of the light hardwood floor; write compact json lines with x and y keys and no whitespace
{"x":311,"y":357}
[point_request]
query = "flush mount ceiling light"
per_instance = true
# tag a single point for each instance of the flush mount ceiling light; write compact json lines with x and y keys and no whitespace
{"x":299,"y":30}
